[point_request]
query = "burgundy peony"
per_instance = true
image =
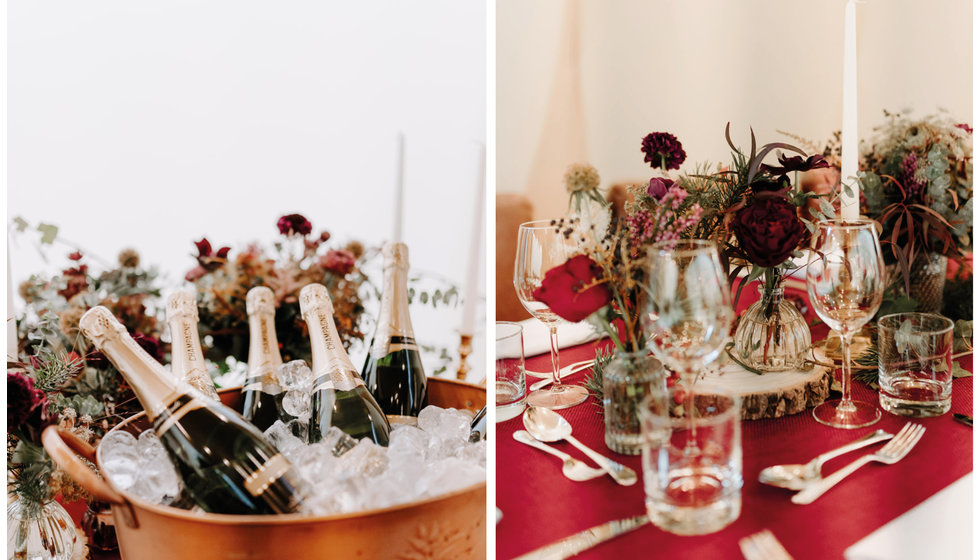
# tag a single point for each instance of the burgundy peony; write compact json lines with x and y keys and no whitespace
{"x":768,"y":230}
{"x":662,"y":149}
{"x":338,"y":261}
{"x":658,"y":188}
{"x":571,"y":291}
{"x":294,"y":223}
{"x":26,"y":406}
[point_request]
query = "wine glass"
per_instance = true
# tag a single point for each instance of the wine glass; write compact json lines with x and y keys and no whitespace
{"x":845,"y":282}
{"x":689,"y":312}
{"x":541,"y":246}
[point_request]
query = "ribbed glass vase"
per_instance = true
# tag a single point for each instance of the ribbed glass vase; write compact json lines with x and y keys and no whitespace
{"x":39,"y":531}
{"x":626,"y":380}
{"x":772,"y":334}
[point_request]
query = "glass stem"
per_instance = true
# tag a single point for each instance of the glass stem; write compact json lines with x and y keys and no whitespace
{"x":691,"y":445}
{"x":845,"y":404}
{"x":555,"y":373}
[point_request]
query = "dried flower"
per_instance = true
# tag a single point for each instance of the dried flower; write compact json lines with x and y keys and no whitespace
{"x":768,"y":230}
{"x":572,"y":291}
{"x":356,"y":248}
{"x":338,"y":261}
{"x":291,"y":224}
{"x":129,"y":258}
{"x":207,"y":260}
{"x":26,"y":291}
{"x":68,"y":321}
{"x":663,"y":150}
{"x":76,"y":281}
{"x":581,"y":177}
{"x":75,"y":256}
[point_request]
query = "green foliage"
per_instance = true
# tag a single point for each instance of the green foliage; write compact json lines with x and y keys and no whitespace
{"x":593,"y":380}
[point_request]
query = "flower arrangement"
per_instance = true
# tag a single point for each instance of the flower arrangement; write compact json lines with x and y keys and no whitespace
{"x":755,"y":211}
{"x":298,"y":258}
{"x":60,"y":379}
{"x":917,"y":181}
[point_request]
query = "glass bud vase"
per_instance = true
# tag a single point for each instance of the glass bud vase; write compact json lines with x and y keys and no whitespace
{"x":626,"y":380}
{"x":772,"y":334}
{"x":39,"y":531}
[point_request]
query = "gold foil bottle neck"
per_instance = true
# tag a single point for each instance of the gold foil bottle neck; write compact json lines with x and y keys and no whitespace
{"x":314,"y":298}
{"x":182,"y":305}
{"x":261,"y":300}
{"x":100,"y":326}
{"x":395,"y":255}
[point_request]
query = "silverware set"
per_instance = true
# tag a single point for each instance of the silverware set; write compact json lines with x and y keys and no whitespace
{"x":547,"y":426}
{"x":807,"y":478}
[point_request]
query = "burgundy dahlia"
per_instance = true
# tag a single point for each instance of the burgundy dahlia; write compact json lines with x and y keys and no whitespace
{"x":25,"y":404}
{"x":768,"y":230}
{"x":338,"y":261}
{"x":662,"y":149}
{"x":294,"y":223}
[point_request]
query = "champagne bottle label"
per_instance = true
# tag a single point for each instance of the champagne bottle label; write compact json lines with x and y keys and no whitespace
{"x":337,"y":378}
{"x":267,"y":473}
{"x":333,"y":367}
{"x":187,"y":360}
{"x":263,"y":354}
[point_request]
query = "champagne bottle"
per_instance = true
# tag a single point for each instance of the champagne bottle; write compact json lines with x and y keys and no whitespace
{"x":226,"y":464}
{"x":339,"y":396}
{"x":261,"y":388}
{"x":186,"y":358}
{"x":393,"y":370}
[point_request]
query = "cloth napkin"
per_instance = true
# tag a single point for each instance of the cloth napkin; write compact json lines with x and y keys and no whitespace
{"x":537,"y":339}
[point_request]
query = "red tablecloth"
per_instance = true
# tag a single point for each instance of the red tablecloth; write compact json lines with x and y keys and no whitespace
{"x":540,"y":506}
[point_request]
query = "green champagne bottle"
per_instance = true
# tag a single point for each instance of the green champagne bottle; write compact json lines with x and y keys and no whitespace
{"x":393,"y":369}
{"x":339,"y":396}
{"x":186,"y":357}
{"x":261,"y":389}
{"x":226,"y":464}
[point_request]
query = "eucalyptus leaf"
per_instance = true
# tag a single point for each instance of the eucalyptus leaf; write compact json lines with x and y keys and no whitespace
{"x":49,"y":233}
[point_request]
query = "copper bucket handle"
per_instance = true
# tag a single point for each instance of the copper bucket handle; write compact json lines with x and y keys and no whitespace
{"x":65,"y":447}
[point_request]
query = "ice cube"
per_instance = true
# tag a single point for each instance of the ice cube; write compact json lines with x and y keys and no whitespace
{"x":282,"y":437}
{"x":408,"y":442}
{"x":295,"y":376}
{"x":474,"y":453}
{"x":366,"y":459}
{"x":118,"y":442}
{"x":338,"y":441}
{"x":122,"y":469}
{"x":446,"y":424}
{"x":296,"y":404}
{"x":299,"y":428}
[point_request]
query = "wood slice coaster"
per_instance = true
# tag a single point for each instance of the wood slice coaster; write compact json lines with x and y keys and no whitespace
{"x":772,"y":395}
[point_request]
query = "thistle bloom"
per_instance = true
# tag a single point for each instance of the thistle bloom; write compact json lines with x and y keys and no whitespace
{"x":662,"y":149}
{"x":581,"y":177}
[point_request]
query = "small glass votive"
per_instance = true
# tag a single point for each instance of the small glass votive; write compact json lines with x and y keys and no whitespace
{"x":692,"y":471}
{"x":511,"y":385}
{"x":626,"y":381}
{"x":915,"y":364}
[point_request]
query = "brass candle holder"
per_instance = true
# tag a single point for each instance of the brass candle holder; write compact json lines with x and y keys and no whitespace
{"x":465,"y":348}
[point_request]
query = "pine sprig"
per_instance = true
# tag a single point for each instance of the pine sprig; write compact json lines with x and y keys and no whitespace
{"x":593,"y":381}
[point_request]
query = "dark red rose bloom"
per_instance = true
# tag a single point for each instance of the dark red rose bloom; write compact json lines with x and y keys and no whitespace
{"x":294,"y":223}
{"x":338,"y":261}
{"x":75,"y":256}
{"x":768,"y":230}
{"x":658,"y":187}
{"x":662,"y":149}
{"x":76,"y":281}
{"x":27,"y":407}
{"x":570,"y":290}
{"x":150,"y":344}
{"x":795,"y":163}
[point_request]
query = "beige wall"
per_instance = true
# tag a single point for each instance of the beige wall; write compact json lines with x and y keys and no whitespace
{"x":583,"y":80}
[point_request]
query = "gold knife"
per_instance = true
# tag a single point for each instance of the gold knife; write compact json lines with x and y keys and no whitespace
{"x":580,"y":542}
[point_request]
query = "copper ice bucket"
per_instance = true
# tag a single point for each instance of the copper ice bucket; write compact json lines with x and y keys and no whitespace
{"x":450,"y":526}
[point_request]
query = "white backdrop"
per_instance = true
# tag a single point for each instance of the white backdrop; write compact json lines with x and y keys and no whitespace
{"x":585,"y":81}
{"x":150,"y":125}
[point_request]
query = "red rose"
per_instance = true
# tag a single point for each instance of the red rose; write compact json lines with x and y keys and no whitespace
{"x":27,"y":407}
{"x":571,"y":291}
{"x":294,"y":223}
{"x":338,"y":261}
{"x":768,"y":230}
